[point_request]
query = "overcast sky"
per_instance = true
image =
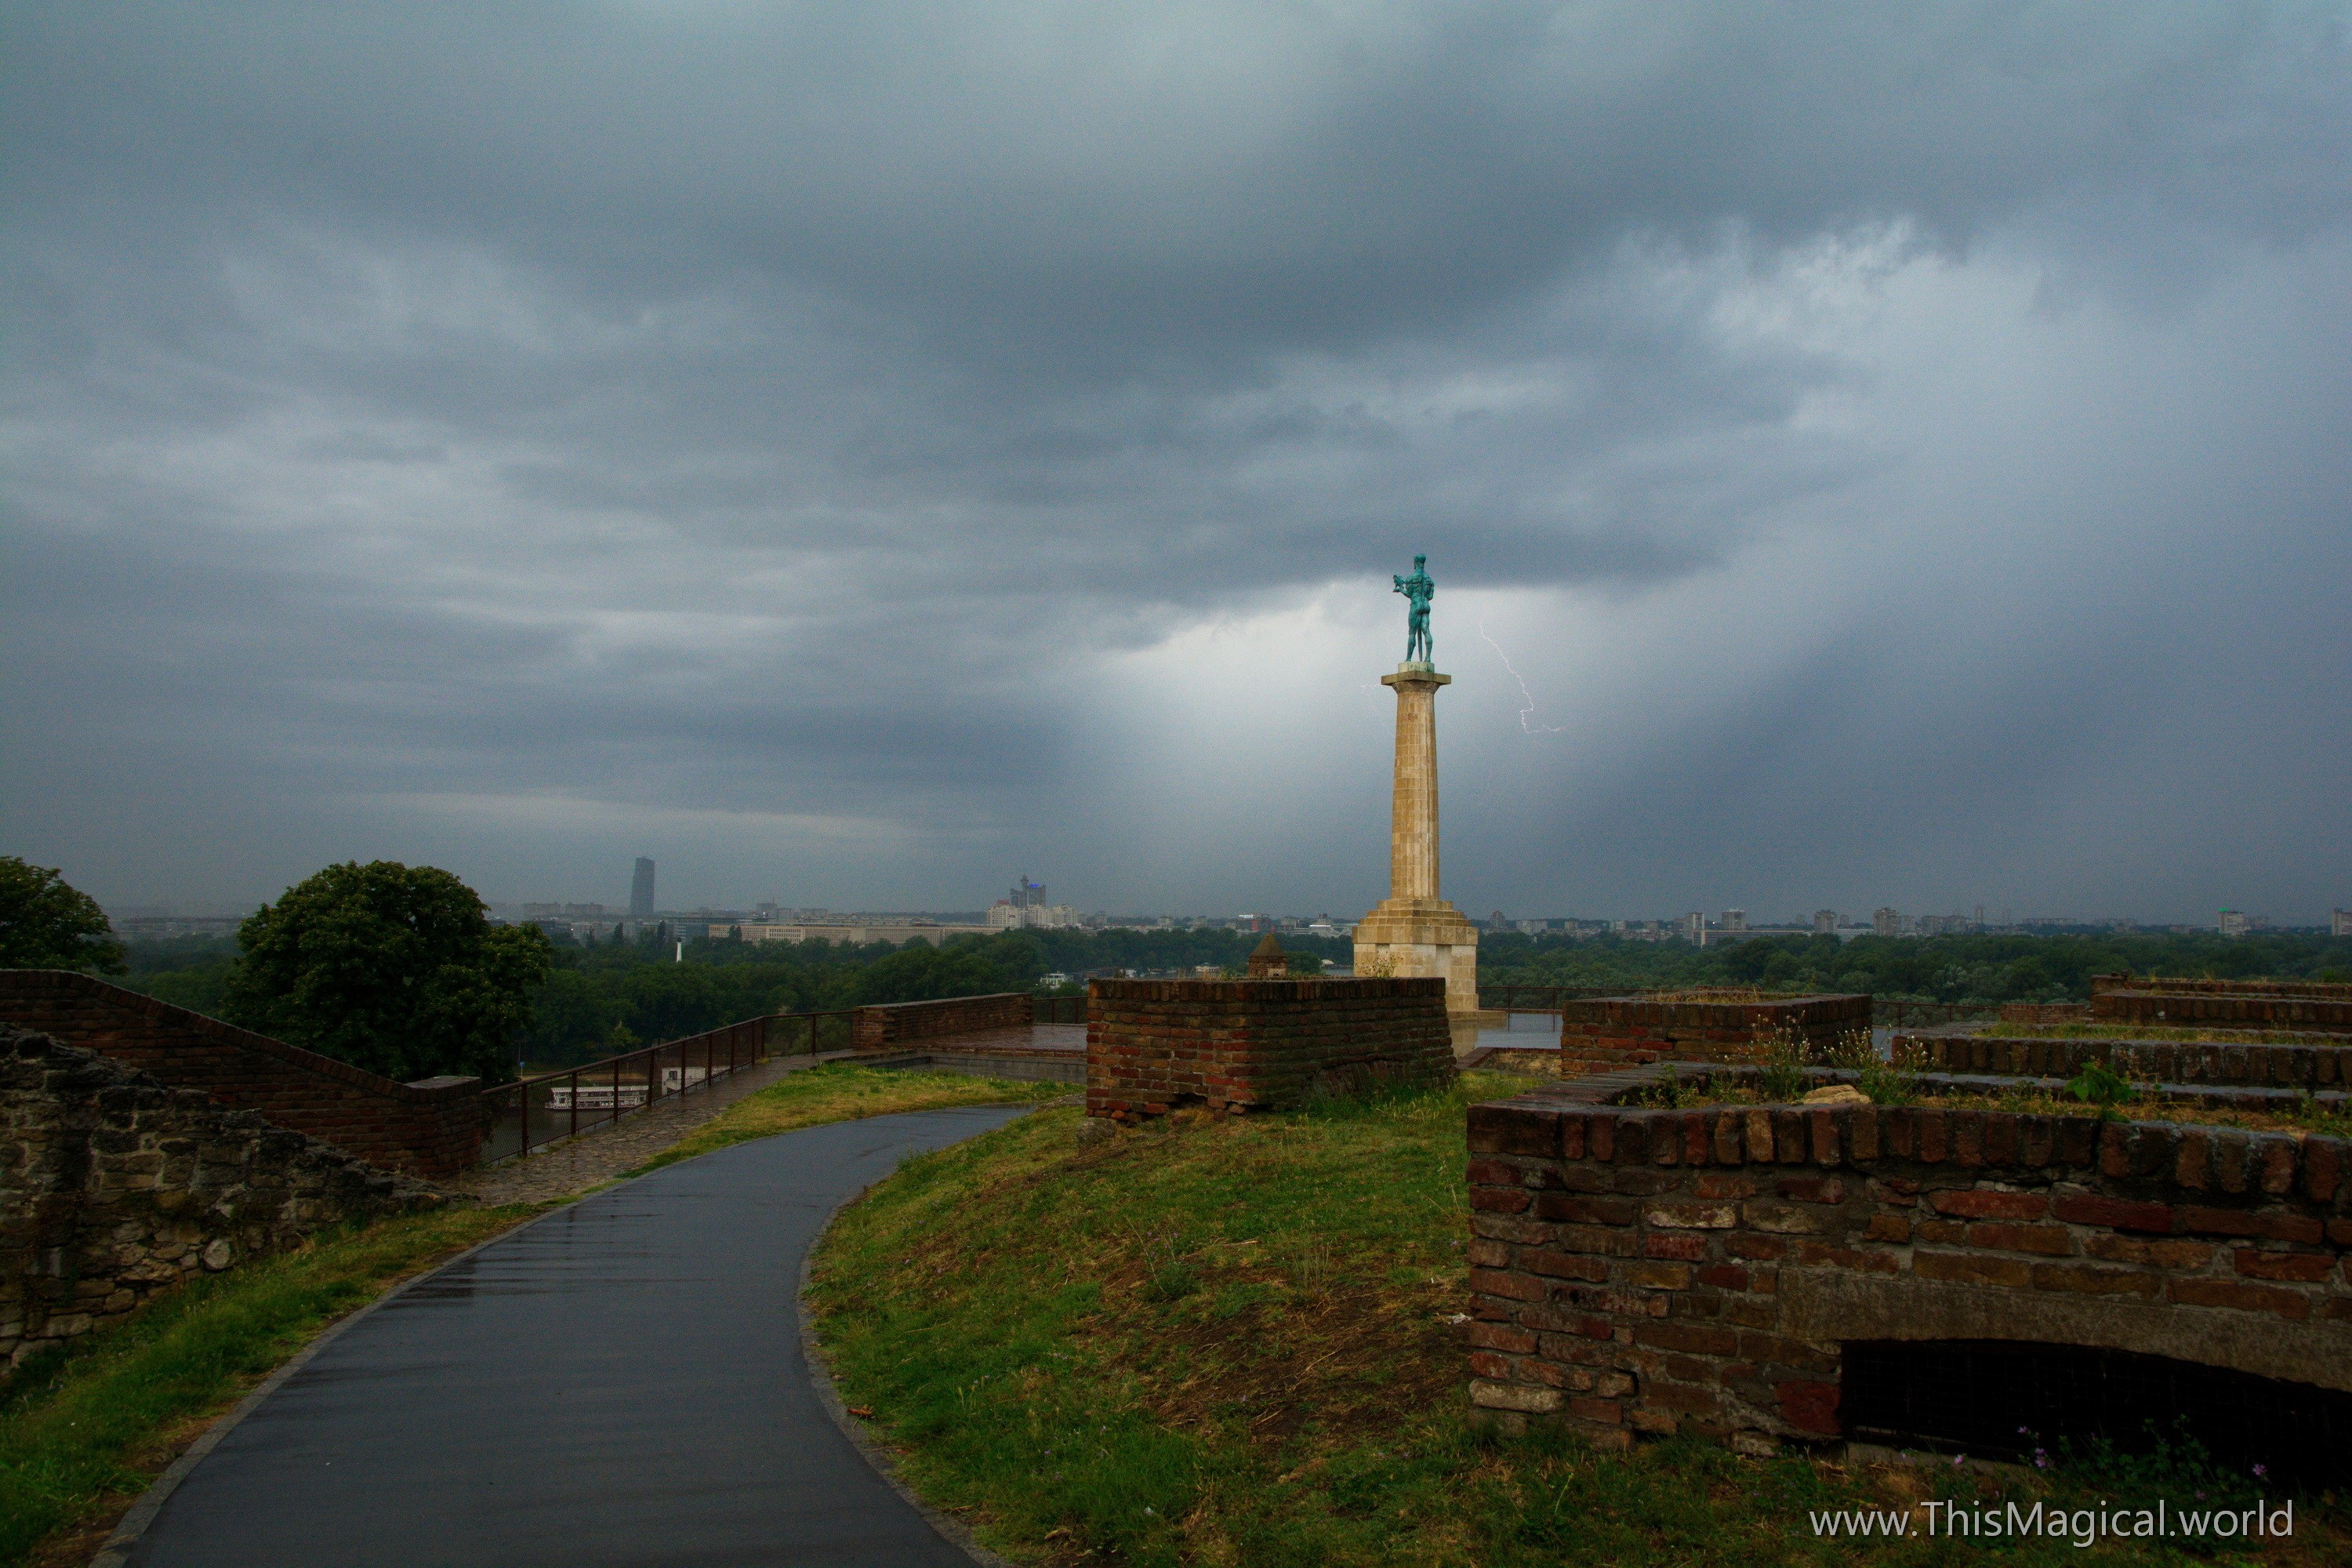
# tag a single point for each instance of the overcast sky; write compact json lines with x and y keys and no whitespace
{"x":856,"y":454}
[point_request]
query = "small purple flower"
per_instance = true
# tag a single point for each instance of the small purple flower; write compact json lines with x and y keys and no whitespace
{"x":2261,"y":1472}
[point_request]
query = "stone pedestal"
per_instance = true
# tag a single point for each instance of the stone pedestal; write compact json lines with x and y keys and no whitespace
{"x":1413,"y":932}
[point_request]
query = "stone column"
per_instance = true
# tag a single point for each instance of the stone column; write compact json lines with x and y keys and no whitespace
{"x":1412,"y":814}
{"x":1414,"y":932}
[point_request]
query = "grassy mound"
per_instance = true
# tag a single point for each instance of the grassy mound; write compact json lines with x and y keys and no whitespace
{"x":1226,"y":1341}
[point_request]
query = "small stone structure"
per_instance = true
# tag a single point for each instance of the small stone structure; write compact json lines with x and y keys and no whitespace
{"x":1158,"y":1045}
{"x":114,"y":1186}
{"x":887,"y":1025}
{"x":2157,"y":1002}
{"x":1269,"y":962}
{"x":1701,"y":1271}
{"x":1607,"y":1033}
{"x":433,"y":1128}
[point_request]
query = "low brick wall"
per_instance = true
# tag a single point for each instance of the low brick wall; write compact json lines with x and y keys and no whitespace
{"x":434,"y":1128}
{"x":889,"y":1023}
{"x":1155,"y":1046}
{"x":114,"y":1186}
{"x":1698,"y":1271}
{"x":1612,"y":1032}
{"x":2288,"y":1004}
{"x":2258,"y":1065}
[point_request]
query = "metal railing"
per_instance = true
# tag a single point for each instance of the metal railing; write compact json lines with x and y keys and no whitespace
{"x":1512,"y":997}
{"x":549,"y":1107}
{"x":1899,"y":1015}
{"x":1061,"y":1009}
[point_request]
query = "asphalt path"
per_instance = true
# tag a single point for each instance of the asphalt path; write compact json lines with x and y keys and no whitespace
{"x":621,"y":1383}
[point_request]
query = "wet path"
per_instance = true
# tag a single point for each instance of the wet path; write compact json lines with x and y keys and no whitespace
{"x":620,"y":1383}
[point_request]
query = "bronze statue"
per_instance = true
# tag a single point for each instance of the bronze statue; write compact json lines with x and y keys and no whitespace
{"x":1418,"y":590}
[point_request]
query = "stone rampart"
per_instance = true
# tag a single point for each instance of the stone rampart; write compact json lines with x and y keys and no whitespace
{"x":433,"y":1128}
{"x":114,"y":1186}
{"x":2156,"y":1000}
{"x":888,"y":1023}
{"x":1157,"y":1046}
{"x":2254,"y":1064}
{"x":1700,"y":1271}
{"x":1607,"y":1033}
{"x":2043,"y":1015}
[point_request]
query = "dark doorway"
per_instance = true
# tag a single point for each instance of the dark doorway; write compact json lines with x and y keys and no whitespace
{"x":1972,"y":1395}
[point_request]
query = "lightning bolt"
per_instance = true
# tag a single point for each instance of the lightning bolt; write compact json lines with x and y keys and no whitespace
{"x":1527,"y":712}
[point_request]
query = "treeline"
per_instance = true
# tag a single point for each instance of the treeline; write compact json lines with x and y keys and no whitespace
{"x":603,"y":997}
{"x":1939,"y":968}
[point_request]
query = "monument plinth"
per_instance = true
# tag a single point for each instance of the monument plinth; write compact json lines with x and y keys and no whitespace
{"x":1414,"y":931}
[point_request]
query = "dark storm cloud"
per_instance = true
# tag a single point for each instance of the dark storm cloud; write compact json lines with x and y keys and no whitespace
{"x":748,"y":408}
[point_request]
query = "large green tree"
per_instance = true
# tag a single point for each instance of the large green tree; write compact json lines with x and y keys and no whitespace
{"x":393,"y":968}
{"x":45,"y":923}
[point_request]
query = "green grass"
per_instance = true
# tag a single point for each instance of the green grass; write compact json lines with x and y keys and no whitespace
{"x":1221,"y":1341}
{"x":842,"y":1091}
{"x":84,"y":1428}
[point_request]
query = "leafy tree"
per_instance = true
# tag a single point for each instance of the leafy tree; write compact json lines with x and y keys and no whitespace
{"x":392,"y":968}
{"x":45,"y":923}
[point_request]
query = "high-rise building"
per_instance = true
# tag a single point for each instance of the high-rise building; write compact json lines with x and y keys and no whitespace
{"x":2232,"y":923}
{"x":641,"y":891}
{"x":1887,"y":921}
{"x":1824,"y":922}
{"x":1735,"y":919}
{"x":2339,"y":922}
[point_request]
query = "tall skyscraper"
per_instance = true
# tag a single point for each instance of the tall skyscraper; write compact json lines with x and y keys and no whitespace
{"x":641,"y":891}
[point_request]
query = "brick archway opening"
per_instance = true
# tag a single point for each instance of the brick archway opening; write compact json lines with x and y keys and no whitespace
{"x":1973,"y":1395}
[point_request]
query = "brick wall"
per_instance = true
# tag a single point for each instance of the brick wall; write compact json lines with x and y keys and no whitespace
{"x":114,"y":1186}
{"x":2255,"y":1065}
{"x":1698,"y":1270}
{"x":434,"y":1128}
{"x":2159,"y":1002}
{"x":1612,"y":1032}
{"x":889,"y":1023}
{"x":1154,"y":1045}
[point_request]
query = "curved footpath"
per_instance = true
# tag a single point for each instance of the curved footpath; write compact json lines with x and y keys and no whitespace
{"x":619,"y":1383}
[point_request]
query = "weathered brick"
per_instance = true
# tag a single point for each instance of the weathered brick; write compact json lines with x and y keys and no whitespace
{"x":2050,"y":1240}
{"x":1977,"y":1204}
{"x":2120,"y":1214}
{"x":2306,"y":1267}
{"x":2088,"y":1279}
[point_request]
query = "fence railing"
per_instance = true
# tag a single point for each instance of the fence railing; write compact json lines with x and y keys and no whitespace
{"x":1061,"y":1009}
{"x":1511,"y":997}
{"x":549,"y":1107}
{"x":1898,"y":1014}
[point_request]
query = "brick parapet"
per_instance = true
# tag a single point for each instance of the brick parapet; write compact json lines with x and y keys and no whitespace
{"x":886,"y":1025}
{"x":114,"y":1186}
{"x":2313,"y":1007}
{"x":1656,"y":1271}
{"x":2254,"y":1064}
{"x":1155,"y":1046}
{"x":432,"y":1129}
{"x":1606,"y":1033}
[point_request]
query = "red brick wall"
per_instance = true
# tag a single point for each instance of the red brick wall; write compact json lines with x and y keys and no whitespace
{"x":2258,"y":1065}
{"x":1154,"y":1045}
{"x":1610,"y":1032}
{"x":434,"y":1128}
{"x":1662,"y":1270}
{"x":889,"y":1023}
{"x":2161,"y":1003}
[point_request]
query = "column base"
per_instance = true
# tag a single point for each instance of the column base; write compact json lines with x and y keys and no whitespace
{"x":1418,"y":937}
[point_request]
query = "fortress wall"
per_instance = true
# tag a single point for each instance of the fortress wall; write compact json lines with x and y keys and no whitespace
{"x":1606,"y":1033}
{"x":1657,"y":1271}
{"x":434,"y":1128}
{"x":1155,"y":1046}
